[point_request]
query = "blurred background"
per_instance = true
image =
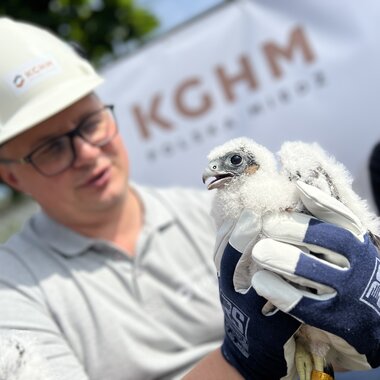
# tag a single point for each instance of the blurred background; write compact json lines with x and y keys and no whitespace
{"x":188,"y":75}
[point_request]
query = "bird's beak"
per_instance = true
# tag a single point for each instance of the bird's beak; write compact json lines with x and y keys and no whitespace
{"x":220,"y":178}
{"x":207,"y":174}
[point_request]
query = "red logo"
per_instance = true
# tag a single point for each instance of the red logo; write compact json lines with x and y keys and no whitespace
{"x":18,"y":81}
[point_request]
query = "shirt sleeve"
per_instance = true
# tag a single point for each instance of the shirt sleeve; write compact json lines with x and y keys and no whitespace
{"x":24,"y":312}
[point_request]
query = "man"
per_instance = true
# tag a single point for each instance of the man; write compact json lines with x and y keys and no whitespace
{"x":104,"y":276}
{"x":112,"y":280}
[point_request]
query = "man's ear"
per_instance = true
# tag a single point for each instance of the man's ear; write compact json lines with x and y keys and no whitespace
{"x":7,"y":176}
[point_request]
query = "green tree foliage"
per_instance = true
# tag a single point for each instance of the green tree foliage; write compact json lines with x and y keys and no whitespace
{"x":99,"y":26}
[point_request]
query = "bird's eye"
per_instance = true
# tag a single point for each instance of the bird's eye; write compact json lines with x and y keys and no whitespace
{"x":236,"y":159}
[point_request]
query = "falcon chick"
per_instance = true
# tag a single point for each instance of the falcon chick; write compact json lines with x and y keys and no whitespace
{"x":246,"y":176}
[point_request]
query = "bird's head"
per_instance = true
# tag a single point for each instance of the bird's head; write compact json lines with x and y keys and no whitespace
{"x":236,"y":158}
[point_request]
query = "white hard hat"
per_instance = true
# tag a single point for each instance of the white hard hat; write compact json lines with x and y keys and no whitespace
{"x":40,"y":75}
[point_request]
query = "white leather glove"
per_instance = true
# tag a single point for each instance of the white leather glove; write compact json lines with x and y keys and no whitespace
{"x":336,"y":258}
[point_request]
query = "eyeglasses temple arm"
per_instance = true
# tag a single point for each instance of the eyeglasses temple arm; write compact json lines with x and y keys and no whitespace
{"x":9,"y":161}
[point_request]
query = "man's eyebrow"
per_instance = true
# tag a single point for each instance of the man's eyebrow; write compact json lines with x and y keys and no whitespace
{"x":51,"y":137}
{"x":45,"y":139}
{"x":85,"y":116}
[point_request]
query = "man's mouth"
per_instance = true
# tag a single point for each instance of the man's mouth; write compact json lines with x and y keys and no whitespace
{"x":98,"y":179}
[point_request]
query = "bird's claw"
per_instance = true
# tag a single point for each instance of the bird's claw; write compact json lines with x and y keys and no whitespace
{"x":304,"y":362}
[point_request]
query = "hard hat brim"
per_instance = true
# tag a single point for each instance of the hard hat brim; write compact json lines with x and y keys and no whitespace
{"x":43,"y":107}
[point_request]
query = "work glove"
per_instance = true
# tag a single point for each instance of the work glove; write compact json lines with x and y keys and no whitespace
{"x":260,"y":347}
{"x":326,"y":273}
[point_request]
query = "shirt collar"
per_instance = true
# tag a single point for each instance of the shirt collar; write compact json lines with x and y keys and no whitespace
{"x":156,"y":212}
{"x":60,"y":238}
{"x":69,"y":243}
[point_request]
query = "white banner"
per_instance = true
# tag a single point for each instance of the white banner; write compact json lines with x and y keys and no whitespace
{"x":272,"y":70}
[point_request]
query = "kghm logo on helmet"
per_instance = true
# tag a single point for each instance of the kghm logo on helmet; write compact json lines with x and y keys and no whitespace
{"x":371,"y":295}
{"x":19,"y":81}
{"x":31,"y":73}
{"x":38,"y":69}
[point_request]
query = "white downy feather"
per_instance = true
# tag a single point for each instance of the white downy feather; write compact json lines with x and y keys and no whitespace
{"x":21,"y":360}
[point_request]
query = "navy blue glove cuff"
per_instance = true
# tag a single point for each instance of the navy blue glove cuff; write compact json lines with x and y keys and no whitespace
{"x":254,"y":343}
{"x":374,"y":358}
{"x":257,"y":371}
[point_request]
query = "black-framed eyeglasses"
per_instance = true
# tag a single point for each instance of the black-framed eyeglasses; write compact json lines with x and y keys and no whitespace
{"x":58,"y":154}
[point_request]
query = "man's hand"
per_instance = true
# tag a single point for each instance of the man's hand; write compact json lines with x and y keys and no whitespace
{"x":260,"y":347}
{"x":338,"y":267}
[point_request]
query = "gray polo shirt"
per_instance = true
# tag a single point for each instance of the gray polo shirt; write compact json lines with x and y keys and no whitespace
{"x":101,"y":315}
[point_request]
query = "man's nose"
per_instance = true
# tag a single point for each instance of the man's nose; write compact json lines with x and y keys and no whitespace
{"x":85,"y":152}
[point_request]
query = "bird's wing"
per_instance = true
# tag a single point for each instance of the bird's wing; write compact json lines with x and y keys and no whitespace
{"x":309,"y":163}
